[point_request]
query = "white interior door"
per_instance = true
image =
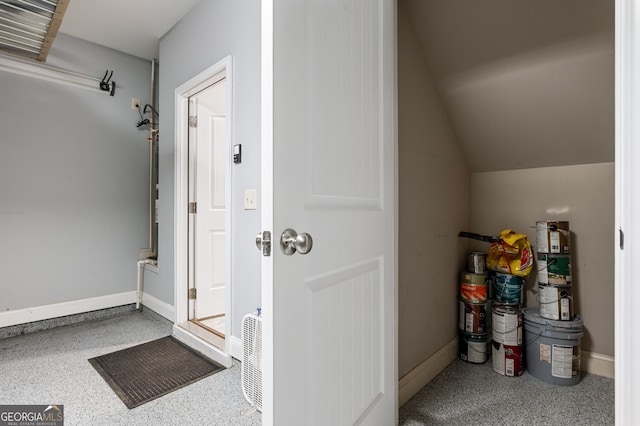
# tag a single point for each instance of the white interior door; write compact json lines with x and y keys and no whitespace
{"x":329,"y":164}
{"x":209,"y":162}
{"x":627,"y":211}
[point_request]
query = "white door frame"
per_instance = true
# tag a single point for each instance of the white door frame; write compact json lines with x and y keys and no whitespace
{"x":627,"y":251}
{"x":181,"y":228}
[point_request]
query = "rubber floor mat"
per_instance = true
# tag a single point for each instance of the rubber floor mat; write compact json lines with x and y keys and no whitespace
{"x":148,"y":371}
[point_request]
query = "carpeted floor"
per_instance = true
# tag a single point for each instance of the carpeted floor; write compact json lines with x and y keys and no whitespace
{"x":473,"y":394}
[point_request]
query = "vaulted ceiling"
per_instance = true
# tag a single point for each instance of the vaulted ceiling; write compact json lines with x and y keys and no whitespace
{"x":525,"y":83}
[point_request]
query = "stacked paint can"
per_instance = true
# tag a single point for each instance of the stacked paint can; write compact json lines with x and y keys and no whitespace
{"x":507,"y":323}
{"x":474,"y":311}
{"x":553,"y":332}
{"x":553,"y":245}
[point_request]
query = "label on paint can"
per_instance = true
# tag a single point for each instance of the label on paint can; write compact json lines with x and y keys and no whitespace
{"x":556,"y":303}
{"x":565,"y":361}
{"x":473,"y":317}
{"x":475,"y":279}
{"x":472,"y":293}
{"x":473,"y":348}
{"x":508,"y":289}
{"x":565,"y":309}
{"x":507,"y":360}
{"x":507,"y":325}
{"x":554,"y":269}
{"x":553,"y":237}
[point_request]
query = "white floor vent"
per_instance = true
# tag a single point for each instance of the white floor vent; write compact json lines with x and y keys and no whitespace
{"x":251,"y":369}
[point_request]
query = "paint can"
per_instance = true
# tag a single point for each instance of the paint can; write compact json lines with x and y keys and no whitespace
{"x":473,"y":348}
{"x":556,"y":302}
{"x":507,"y":360}
{"x":473,"y":287}
{"x":474,"y":317}
{"x":506,"y":324}
{"x":553,"y":237}
{"x":476,"y":263}
{"x":554,"y":269}
{"x":553,"y":348}
{"x":491,"y":279}
{"x":508,"y":289}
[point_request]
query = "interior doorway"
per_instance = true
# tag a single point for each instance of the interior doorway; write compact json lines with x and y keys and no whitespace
{"x":203,"y":212}
{"x":208,"y":232}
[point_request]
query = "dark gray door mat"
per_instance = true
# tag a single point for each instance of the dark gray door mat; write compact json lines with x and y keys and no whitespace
{"x":148,"y":371}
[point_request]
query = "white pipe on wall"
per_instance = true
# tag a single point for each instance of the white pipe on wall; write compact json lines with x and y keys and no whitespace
{"x":141,"y":264}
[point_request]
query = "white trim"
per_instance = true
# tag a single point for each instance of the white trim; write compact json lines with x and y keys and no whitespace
{"x":181,"y":228}
{"x":48,"y":73}
{"x":627,"y":191}
{"x":598,"y":364}
{"x":411,"y":383}
{"x":161,"y":308}
{"x":55,"y":310}
{"x":266,"y":206}
{"x":235,"y":347}
{"x":201,"y":346}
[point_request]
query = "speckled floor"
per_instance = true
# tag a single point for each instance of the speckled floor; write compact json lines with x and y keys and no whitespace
{"x":51,"y":367}
{"x":473,"y":394}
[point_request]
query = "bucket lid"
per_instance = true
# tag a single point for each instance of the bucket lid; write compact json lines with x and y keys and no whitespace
{"x":533,"y":315}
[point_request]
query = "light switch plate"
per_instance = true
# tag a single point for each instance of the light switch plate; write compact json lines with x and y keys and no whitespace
{"x":250,"y":196}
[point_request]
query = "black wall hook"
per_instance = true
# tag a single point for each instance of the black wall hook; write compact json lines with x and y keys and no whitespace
{"x":107,"y":85}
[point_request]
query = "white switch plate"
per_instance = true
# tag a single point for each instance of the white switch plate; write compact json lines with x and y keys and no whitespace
{"x":250,"y":196}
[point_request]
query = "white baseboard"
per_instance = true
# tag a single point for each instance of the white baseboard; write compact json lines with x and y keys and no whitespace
{"x":598,"y":364}
{"x":159,"y":307}
{"x":416,"y":379}
{"x":55,"y":310}
{"x":235,"y":348}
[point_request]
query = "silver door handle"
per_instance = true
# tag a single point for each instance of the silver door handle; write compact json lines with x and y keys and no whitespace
{"x":291,"y":242}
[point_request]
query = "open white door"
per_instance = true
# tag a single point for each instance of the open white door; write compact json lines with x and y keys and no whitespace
{"x":329,"y":170}
{"x":627,"y":211}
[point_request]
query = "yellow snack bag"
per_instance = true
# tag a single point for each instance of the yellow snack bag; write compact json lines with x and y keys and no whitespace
{"x":511,"y":255}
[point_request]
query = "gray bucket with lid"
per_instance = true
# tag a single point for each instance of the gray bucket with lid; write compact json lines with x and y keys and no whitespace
{"x":552,"y":348}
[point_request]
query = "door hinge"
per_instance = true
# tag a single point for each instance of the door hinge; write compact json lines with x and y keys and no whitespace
{"x":193,"y":121}
{"x":192,"y":207}
{"x":621,"y":237}
{"x":192,"y":293}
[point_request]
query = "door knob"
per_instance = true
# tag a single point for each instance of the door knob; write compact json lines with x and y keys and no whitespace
{"x":291,"y":242}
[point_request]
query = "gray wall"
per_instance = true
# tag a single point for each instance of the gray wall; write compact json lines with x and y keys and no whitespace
{"x":73,"y":186}
{"x":211,"y":31}
{"x":434,"y":207}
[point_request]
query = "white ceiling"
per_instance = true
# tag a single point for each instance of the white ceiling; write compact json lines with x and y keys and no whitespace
{"x":130,"y":26}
